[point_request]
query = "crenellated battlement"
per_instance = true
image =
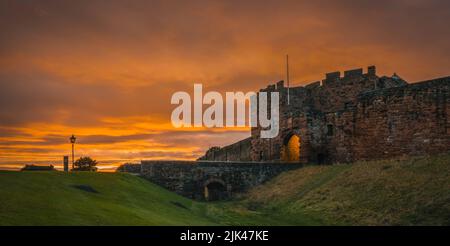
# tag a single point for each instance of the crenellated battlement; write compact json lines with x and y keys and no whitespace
{"x":331,"y":79}
{"x":352,"y":115}
{"x":335,"y":91}
{"x":334,"y":78}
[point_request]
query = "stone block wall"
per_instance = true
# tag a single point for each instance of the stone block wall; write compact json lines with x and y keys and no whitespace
{"x":239,"y":151}
{"x":357,"y":116}
{"x":129,"y":168}
{"x":407,"y":120}
{"x":189,"y":178}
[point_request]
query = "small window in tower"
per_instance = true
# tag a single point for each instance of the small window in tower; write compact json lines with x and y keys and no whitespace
{"x":289,"y":122}
{"x":330,"y":130}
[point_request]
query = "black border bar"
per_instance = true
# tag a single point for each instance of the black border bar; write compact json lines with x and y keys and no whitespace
{"x":172,"y":234}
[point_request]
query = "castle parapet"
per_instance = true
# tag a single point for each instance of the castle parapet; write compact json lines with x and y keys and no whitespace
{"x":269,"y":88}
{"x":280,"y":85}
{"x":332,"y":76}
{"x":353,"y":73}
{"x":371,"y":71}
{"x":335,"y":77}
{"x":313,"y":85}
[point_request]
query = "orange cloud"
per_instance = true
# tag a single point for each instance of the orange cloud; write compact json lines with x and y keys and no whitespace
{"x":106,"y":71}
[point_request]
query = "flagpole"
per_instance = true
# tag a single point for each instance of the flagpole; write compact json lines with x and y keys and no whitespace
{"x":287,"y":77}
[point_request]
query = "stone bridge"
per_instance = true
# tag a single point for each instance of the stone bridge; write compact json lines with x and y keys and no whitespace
{"x":203,"y":180}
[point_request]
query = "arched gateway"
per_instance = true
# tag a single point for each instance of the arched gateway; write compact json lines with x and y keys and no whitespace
{"x":215,"y":189}
{"x":210,"y":180}
{"x":290,"y":151}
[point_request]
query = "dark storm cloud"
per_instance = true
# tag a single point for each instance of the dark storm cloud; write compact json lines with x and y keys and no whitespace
{"x":37,"y":97}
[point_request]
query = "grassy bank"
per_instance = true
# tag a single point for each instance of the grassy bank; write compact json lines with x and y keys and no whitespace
{"x":83,"y":198}
{"x":413,"y":191}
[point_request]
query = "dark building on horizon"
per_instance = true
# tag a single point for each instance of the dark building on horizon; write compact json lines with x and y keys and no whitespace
{"x":38,"y":168}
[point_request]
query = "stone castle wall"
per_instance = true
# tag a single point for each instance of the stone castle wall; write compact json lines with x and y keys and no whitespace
{"x":406,"y":120}
{"x":354,"y":117}
{"x":239,"y":151}
{"x":191,"y":178}
{"x":129,"y":168}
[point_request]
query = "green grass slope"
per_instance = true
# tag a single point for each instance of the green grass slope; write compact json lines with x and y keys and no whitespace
{"x":413,"y":191}
{"x":51,"y":198}
{"x":54,"y":198}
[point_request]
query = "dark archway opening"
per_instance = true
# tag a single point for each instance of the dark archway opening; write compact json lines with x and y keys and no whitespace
{"x":215,"y":191}
{"x":322,"y":158}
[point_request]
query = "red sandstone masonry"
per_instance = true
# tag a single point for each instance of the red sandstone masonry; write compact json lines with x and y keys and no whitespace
{"x":372,"y":118}
{"x":407,"y":120}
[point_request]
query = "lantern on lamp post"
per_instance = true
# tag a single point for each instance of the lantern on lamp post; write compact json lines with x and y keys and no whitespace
{"x":72,"y":140}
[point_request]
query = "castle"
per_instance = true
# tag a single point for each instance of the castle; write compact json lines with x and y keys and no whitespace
{"x":357,"y":116}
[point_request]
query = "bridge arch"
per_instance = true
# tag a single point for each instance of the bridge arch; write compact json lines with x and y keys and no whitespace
{"x":290,"y":151}
{"x":215,"y":189}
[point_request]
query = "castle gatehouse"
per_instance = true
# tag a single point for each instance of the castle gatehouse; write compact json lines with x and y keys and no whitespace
{"x":357,"y":116}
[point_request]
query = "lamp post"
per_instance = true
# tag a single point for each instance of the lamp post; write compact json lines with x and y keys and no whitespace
{"x":72,"y":140}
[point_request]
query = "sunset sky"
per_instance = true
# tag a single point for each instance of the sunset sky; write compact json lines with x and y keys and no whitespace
{"x":106,"y":70}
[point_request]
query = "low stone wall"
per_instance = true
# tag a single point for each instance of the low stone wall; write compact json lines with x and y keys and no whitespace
{"x":130,"y":168}
{"x":239,"y":151}
{"x":192,"y":178}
